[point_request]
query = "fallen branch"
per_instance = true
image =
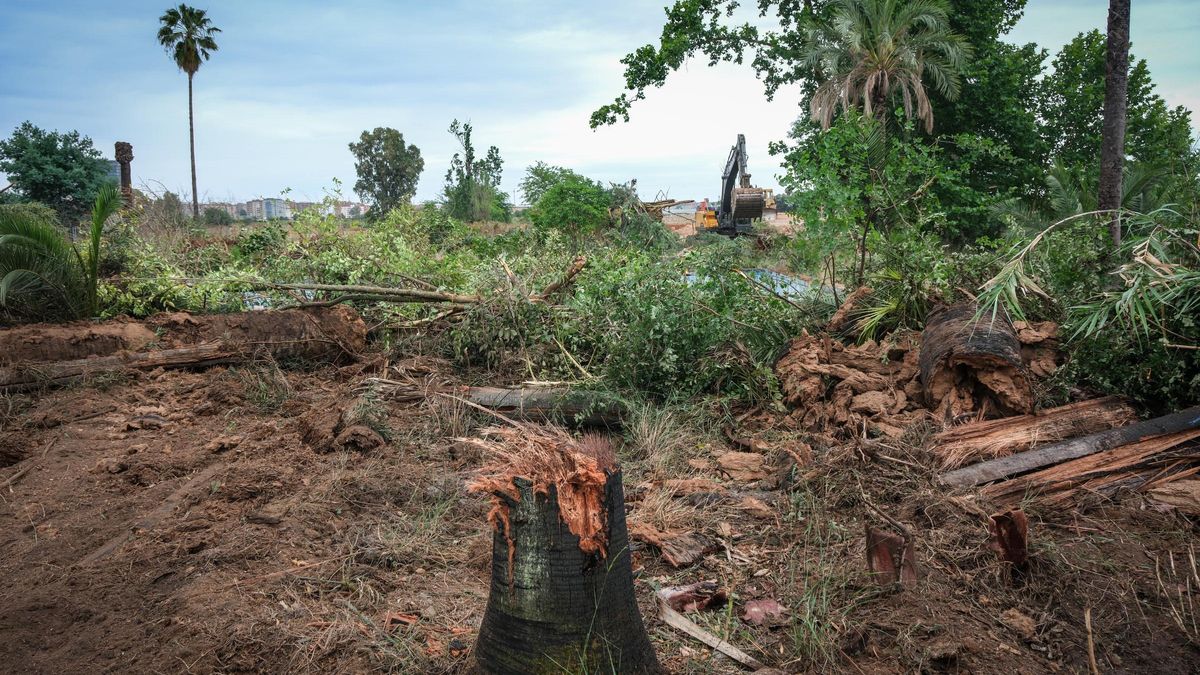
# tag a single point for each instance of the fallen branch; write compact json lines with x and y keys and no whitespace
{"x":576,"y":267}
{"x":682,"y":623}
{"x":375,"y":292}
{"x":1024,"y":462}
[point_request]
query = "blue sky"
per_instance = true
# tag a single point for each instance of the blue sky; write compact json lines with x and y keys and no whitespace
{"x":295,"y":82}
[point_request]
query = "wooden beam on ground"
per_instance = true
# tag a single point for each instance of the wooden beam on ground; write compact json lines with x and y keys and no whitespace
{"x":1024,"y":462}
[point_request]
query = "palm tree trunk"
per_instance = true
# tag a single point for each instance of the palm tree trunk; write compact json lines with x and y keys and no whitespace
{"x":192,"y":144}
{"x":554,"y":608}
{"x":1116,"y":84}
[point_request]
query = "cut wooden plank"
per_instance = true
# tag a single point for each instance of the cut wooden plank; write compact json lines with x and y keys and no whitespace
{"x":1024,"y":462}
{"x":988,"y":439}
{"x":1132,"y":465}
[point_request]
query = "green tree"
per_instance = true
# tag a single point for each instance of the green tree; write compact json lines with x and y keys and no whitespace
{"x":387,"y":168}
{"x":1071,"y":107}
{"x":541,"y":177}
{"x":874,"y":54}
{"x":44,"y":276}
{"x":62,"y":170}
{"x":215,"y":216}
{"x":189,"y":37}
{"x":472,"y":184}
{"x":574,"y":204}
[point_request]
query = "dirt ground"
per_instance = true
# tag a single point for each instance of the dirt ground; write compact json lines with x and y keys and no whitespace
{"x":202,"y":522}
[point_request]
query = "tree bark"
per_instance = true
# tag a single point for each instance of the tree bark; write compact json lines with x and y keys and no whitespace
{"x":1013,"y":465}
{"x":553,"y":607}
{"x":972,"y":364}
{"x":1112,"y":143}
{"x":192,"y":147}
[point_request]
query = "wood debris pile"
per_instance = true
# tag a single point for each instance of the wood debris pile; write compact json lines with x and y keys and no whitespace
{"x":838,"y":389}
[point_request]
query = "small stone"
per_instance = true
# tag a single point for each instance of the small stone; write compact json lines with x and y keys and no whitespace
{"x":1021,"y":624}
{"x":110,"y":465}
{"x":223,"y":443}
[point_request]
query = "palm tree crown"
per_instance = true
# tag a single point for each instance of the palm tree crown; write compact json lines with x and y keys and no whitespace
{"x":188,"y":36}
{"x":871,"y":50}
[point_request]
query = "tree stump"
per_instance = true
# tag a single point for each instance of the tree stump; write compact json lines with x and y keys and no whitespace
{"x":554,"y":607}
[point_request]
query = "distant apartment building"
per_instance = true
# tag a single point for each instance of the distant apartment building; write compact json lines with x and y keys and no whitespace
{"x":273,"y":208}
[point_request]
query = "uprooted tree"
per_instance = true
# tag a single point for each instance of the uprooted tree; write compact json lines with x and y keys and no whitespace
{"x":562,"y":586}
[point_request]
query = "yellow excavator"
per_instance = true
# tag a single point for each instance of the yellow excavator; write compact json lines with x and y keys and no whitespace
{"x":740,"y":204}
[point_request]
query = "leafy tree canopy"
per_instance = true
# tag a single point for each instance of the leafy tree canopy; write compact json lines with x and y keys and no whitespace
{"x":188,"y":35}
{"x":1071,"y":102}
{"x":574,"y":204}
{"x":62,"y":170}
{"x":215,"y":216}
{"x":387,"y":168}
{"x":541,"y":177}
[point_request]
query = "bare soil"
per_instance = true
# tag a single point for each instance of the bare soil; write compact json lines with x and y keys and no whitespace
{"x":195,"y":522}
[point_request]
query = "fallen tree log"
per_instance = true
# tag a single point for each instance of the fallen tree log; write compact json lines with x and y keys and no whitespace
{"x":972,"y":365}
{"x":575,"y":407}
{"x":188,"y":341}
{"x":1056,"y":453}
{"x":1149,"y":462}
{"x":988,"y":439}
{"x":348,"y":292}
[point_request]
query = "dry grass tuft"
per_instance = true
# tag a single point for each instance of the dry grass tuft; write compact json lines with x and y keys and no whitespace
{"x":548,"y":456}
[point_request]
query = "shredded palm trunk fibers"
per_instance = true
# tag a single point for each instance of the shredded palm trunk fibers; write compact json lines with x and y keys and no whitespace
{"x":547,"y":456}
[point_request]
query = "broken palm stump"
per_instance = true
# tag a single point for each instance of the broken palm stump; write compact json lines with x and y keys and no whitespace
{"x":971,"y":365}
{"x":562,"y":584}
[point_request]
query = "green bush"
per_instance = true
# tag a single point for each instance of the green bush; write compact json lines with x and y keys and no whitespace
{"x":575,"y":205}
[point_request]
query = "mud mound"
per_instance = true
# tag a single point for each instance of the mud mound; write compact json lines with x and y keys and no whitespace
{"x":310,"y":332}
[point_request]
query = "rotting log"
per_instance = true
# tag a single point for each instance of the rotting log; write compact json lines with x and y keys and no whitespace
{"x":988,"y":439}
{"x":972,"y":365}
{"x":57,"y":373}
{"x":1015,"y":465}
{"x":187,"y":341}
{"x":561,"y":579}
{"x":74,"y":340}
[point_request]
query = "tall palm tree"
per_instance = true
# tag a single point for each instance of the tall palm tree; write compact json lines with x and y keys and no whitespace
{"x":870,"y":51}
{"x":1112,"y":135}
{"x":189,"y":37}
